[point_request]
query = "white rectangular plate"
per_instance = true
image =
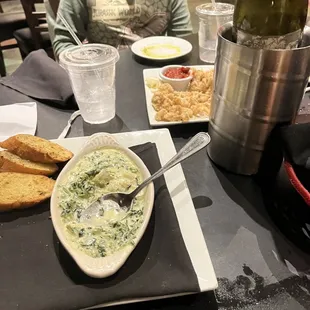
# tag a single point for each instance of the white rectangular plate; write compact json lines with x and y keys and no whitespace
{"x":181,"y":198}
{"x":154,"y":73}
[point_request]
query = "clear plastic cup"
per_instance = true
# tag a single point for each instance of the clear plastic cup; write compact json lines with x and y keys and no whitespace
{"x":210,"y":20}
{"x":91,"y":69}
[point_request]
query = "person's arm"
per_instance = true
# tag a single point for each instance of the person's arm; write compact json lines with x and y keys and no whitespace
{"x":75,"y":13}
{"x":50,"y":18}
{"x":180,"y":24}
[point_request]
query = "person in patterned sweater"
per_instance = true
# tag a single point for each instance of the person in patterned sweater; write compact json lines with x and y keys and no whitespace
{"x":118,"y":22}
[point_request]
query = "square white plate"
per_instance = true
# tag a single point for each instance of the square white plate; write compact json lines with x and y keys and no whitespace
{"x":154,"y":73}
{"x":181,"y":198}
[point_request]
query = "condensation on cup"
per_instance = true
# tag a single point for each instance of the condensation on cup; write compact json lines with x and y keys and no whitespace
{"x":91,"y":69}
{"x":211,"y":17}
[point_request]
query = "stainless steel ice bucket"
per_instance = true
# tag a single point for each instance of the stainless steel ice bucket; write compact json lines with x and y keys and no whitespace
{"x":254,"y":90}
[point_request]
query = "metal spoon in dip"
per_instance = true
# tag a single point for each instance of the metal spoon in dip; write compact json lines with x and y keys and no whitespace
{"x":123,"y":202}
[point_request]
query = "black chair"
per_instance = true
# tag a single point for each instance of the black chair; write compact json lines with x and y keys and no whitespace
{"x":26,"y":44}
{"x":9,"y":22}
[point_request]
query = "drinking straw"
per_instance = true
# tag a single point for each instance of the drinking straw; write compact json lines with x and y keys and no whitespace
{"x":216,"y":18}
{"x":74,"y":36}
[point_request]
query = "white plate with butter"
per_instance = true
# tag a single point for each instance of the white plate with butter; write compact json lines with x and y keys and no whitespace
{"x":161,"y":48}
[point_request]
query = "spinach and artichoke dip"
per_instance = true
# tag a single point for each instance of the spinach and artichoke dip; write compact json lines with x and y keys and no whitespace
{"x":100,"y":172}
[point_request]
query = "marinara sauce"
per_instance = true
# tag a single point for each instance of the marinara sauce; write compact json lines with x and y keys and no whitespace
{"x":177,"y":73}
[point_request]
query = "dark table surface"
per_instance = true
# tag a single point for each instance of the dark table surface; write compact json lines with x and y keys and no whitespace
{"x":256,"y":266}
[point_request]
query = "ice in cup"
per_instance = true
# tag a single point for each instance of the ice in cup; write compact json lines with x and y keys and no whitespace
{"x":211,"y":17}
{"x":91,"y":69}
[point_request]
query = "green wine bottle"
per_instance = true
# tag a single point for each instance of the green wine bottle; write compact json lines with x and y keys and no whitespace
{"x":270,"y":24}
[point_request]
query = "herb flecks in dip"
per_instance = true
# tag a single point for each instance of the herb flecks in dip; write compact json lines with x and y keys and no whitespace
{"x":100,"y":172}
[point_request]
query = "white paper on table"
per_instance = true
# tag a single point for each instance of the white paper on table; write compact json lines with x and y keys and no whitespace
{"x":18,"y":118}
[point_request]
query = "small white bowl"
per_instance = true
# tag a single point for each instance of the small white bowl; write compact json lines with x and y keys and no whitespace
{"x":104,"y":266}
{"x":177,"y":84}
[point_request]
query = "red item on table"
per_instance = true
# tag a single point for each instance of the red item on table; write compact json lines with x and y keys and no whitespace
{"x":177,"y":73}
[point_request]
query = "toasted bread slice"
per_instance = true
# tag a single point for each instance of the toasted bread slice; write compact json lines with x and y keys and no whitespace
{"x":36,"y":149}
{"x":20,"y":190}
{"x":12,"y":163}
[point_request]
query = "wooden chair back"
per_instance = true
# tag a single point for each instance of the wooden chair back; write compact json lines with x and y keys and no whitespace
{"x":36,"y":20}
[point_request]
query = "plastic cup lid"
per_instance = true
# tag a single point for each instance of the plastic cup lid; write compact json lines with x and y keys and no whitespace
{"x":207,"y":9}
{"x":89,"y":56}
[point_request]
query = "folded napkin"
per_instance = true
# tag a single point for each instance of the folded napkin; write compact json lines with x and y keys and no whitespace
{"x":38,"y":273}
{"x":41,"y":78}
{"x":18,"y":118}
